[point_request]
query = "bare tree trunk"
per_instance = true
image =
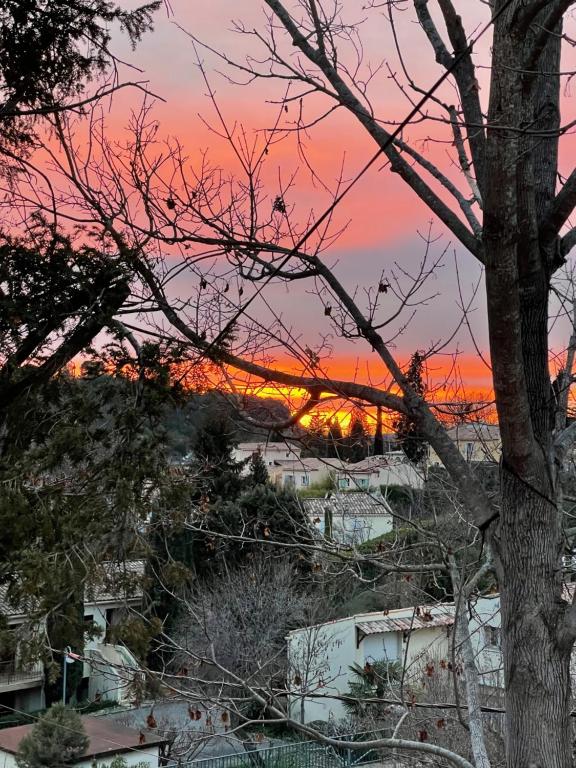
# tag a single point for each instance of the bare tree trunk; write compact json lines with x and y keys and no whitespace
{"x":464,"y":646}
{"x":536,"y":663}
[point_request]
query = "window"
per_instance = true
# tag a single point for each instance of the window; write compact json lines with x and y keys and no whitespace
{"x":304,"y":480}
{"x":344,"y":482}
{"x":363,"y":482}
{"x":289,"y":480}
{"x":469,"y":451}
{"x":492,"y":636}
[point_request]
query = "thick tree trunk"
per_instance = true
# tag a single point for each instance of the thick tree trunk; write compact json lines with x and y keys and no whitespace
{"x":536,"y":664}
{"x":520,"y":182}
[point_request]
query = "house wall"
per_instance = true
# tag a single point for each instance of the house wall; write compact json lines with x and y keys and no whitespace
{"x":473,"y":450}
{"x":414,"y":647}
{"x":485,"y":623}
{"x":149,"y":755}
{"x":318,"y":662}
{"x":396,"y":473}
{"x":354,"y":481}
{"x":30,"y":700}
{"x":357,"y":529}
{"x":320,"y":658}
{"x":270,"y":452}
{"x":299,"y":477}
{"x":402,"y":473}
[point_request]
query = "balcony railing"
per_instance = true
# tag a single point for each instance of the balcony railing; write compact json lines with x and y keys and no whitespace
{"x":11,"y":672}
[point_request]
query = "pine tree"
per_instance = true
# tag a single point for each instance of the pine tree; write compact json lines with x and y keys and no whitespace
{"x":85,"y":468}
{"x":50,"y":49}
{"x":378,"y":436}
{"x":57,"y":740}
{"x":258,"y":473}
{"x":407,"y":432}
{"x":335,"y":440}
{"x":315,"y":440}
{"x":357,"y":439}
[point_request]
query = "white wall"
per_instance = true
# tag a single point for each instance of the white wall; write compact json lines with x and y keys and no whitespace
{"x":146,"y":755}
{"x":299,"y":478}
{"x":320,"y":659}
{"x":401,"y":473}
{"x":270,"y":452}
{"x":349,"y":529}
{"x":485,"y":626}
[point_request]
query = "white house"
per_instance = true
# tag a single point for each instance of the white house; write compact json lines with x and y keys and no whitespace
{"x":270,"y":452}
{"x":477,"y":442}
{"x":374,"y":471}
{"x":109,"y":669}
{"x":320,"y":657}
{"x":484,"y":624}
{"x":352,"y":518}
{"x":21,"y":683}
{"x":300,"y":474}
{"x":107,"y":741}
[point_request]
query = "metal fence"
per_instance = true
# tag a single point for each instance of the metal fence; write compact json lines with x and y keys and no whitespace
{"x":10,"y":673}
{"x":306,"y":754}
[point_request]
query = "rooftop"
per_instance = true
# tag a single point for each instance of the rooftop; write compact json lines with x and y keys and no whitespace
{"x":397,"y":619}
{"x":108,"y":582}
{"x":284,"y":446}
{"x":422,"y":620}
{"x":311,"y":464}
{"x":470,"y":432}
{"x":105,"y":738}
{"x":373,"y":463}
{"x":352,"y":504}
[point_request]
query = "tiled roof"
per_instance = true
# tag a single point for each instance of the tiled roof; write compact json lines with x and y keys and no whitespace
{"x":373,"y":463}
{"x":352,"y":504}
{"x":284,"y":446}
{"x":405,"y":623}
{"x":311,"y":464}
{"x":109,"y":582}
{"x":475,"y":432}
{"x":105,"y":738}
{"x":115,"y":581}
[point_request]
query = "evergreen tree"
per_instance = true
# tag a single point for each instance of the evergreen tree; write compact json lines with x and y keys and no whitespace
{"x":50,"y":50}
{"x":407,"y":432}
{"x":357,"y":440}
{"x":335,"y":440}
{"x":183,"y":534}
{"x":54,"y":299}
{"x":258,"y":473}
{"x":378,"y":436}
{"x":315,"y":441}
{"x":214,"y":471}
{"x":57,"y":740}
{"x":84,"y":469}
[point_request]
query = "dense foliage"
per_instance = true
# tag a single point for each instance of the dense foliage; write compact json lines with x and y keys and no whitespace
{"x":57,"y":740}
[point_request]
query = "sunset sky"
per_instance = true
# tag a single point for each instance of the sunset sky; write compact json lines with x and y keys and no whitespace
{"x":385,"y":217}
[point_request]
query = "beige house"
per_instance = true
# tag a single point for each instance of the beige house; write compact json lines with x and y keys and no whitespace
{"x":476,"y":442}
{"x":287,"y":450}
{"x":300,"y":474}
{"x":374,"y":471}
